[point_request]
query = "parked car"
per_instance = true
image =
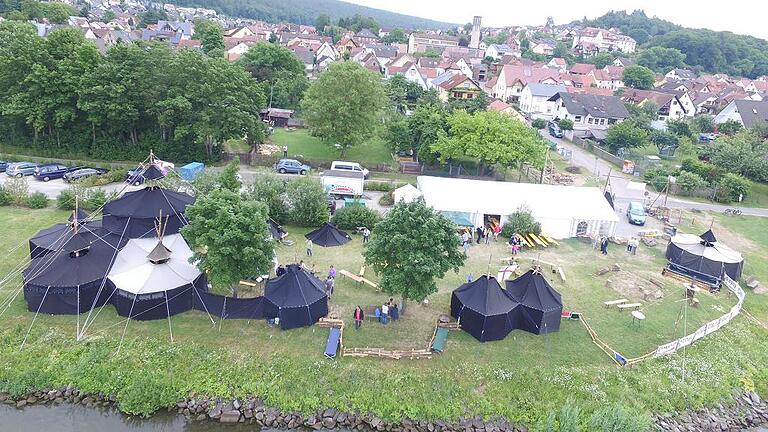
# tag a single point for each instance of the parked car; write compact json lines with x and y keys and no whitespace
{"x":291,"y":166}
{"x":4,"y":165}
{"x":349,"y":166}
{"x":52,"y":171}
{"x":135,"y":176}
{"x":20,"y":169}
{"x":82,"y":173}
{"x":555,"y":130}
{"x":636,"y":213}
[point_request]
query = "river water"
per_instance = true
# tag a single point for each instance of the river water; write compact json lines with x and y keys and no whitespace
{"x":77,"y":418}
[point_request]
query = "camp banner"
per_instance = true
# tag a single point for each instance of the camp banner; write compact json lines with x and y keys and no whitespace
{"x":666,"y":349}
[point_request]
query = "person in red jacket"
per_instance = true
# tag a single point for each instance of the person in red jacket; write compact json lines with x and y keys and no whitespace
{"x":359,"y":317}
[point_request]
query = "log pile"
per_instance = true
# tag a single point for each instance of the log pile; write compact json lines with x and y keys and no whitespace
{"x":330,"y":323}
{"x":388,"y":354}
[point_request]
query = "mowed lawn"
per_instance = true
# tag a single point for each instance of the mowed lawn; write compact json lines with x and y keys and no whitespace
{"x":302,"y":145}
{"x":524,"y":377}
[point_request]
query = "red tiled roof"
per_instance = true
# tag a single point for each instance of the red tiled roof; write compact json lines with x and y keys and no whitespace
{"x":582,"y":68}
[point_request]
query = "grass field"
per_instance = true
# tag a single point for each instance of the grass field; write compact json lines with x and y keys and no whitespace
{"x":302,"y":145}
{"x":526,"y":378}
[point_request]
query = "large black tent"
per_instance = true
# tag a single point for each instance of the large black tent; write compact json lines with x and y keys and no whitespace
{"x":297,"y":297}
{"x":328,"y":236}
{"x":703,"y":258}
{"x":484,"y":310}
{"x":540,"y":305}
{"x":135,"y":213}
{"x":68,"y":282}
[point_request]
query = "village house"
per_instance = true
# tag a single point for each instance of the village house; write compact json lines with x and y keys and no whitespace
{"x":457,"y":86}
{"x":670,"y":106}
{"x":534,"y":100}
{"x":558,"y":63}
{"x":746,"y":112}
{"x":420,"y":42}
{"x":513,"y":78}
{"x":589,"y":113}
{"x":680,"y":75}
{"x":592,"y":40}
{"x":496,"y":51}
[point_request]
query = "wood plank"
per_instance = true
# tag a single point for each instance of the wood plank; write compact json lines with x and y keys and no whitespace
{"x":350,"y":275}
{"x":248,"y":284}
{"x":525,"y":241}
{"x":540,"y":239}
{"x":551,"y":240}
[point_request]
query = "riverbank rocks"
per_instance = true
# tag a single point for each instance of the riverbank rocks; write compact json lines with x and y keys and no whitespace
{"x":744,"y":410}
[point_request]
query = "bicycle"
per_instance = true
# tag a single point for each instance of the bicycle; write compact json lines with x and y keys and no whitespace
{"x":732,"y":212}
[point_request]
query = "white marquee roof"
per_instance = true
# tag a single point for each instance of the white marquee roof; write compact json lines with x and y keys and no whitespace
{"x":133,"y":272}
{"x":406,"y":193}
{"x":503,"y":198}
{"x":717,"y":252}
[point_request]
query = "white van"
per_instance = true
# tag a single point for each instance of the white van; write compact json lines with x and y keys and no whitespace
{"x":349,"y":166}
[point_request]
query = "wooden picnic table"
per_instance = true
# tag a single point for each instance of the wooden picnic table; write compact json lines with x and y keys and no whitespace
{"x":628,"y":306}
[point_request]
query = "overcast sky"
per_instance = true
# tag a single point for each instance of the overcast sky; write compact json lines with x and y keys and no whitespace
{"x":738,"y":16}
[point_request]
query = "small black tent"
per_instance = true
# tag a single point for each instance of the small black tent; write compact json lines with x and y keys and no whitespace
{"x":154,"y":172}
{"x":67,"y":238}
{"x":328,"y":236}
{"x":703,"y":258}
{"x":484,"y":310}
{"x":297,"y":297}
{"x":275,"y":230}
{"x":79,"y":215}
{"x":64,"y":282}
{"x":541,"y":306}
{"x":136,"y":212}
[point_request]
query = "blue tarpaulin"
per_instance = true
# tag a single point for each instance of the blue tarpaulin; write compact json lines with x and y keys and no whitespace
{"x":191,"y":170}
{"x":459,"y":218}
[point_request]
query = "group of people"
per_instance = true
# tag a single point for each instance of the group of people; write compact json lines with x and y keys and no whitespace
{"x":483,"y":234}
{"x":387,"y":311}
{"x":632,"y":245}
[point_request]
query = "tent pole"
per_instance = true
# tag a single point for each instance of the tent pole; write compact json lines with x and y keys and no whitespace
{"x":168,"y":309}
{"x":223,"y":312}
{"x":127,"y":320}
{"x":35,"y":318}
{"x":77,"y":336}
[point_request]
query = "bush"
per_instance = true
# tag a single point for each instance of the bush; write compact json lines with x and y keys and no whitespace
{"x":381,"y":186}
{"x":521,"y":221}
{"x":733,"y":186}
{"x":616,"y":418}
{"x":388,"y":199}
{"x":5,"y":196}
{"x":539,"y":123}
{"x":689,"y":181}
{"x":108,"y":177}
{"x":95,"y":199}
{"x":18,"y":189}
{"x":37,"y":200}
{"x":565,"y":124}
{"x":307,"y":202}
{"x":709,"y":172}
{"x":270,"y":190}
{"x":351,"y":217}
{"x":657,"y":177}
{"x":66,"y":199}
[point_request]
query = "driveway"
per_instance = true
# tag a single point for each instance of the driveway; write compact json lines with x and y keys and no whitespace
{"x":53,"y":188}
{"x":619,"y":182}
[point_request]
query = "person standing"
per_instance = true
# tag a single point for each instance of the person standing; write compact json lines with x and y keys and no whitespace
{"x":332,"y":272}
{"x":359,"y":317}
{"x":604,"y":246}
{"x":329,"y":287}
{"x":487,"y":233}
{"x":309,"y":247}
{"x":285,"y":151}
{"x":366,"y":234}
{"x":465,"y":239}
{"x":479,"y":234}
{"x":384,"y":313}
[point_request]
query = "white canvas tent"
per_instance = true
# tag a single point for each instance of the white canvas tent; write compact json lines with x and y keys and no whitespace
{"x":563,"y":211}
{"x":406,"y":193}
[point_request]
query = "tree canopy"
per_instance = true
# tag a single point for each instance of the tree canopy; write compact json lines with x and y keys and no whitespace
{"x":411,"y":248}
{"x":343,"y":106}
{"x":492,"y":138}
{"x":282,"y":73}
{"x":61,"y":95}
{"x":660,"y":59}
{"x":228,"y":234}
{"x":639,"y":77}
{"x":625,"y":134}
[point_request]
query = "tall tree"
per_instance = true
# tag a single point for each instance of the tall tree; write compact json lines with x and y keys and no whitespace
{"x":639,"y":77}
{"x":660,"y":59}
{"x":281,"y":72}
{"x":343,"y":106}
{"x":228,"y":234}
{"x":411,"y":248}
{"x":625,"y":134}
{"x":492,"y":138}
{"x":210,"y":34}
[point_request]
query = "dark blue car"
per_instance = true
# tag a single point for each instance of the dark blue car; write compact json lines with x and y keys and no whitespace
{"x":52,"y":171}
{"x":291,"y":166}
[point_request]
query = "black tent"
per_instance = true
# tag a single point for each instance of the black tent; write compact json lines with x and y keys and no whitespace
{"x":64,"y":237}
{"x":275,"y":229}
{"x":541,"y":306}
{"x":153,"y":172}
{"x":297,"y":297}
{"x":136,"y":212}
{"x":64,"y":282}
{"x":703,"y":258}
{"x":328,"y":236}
{"x":79,"y":215}
{"x":484,"y":310}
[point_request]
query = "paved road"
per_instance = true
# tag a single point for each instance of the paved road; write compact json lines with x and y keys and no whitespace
{"x":619,"y":181}
{"x":53,"y":188}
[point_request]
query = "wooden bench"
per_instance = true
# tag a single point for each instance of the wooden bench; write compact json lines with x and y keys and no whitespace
{"x":370,"y":312}
{"x":350,"y":275}
{"x":610,"y":303}
{"x":629,"y":306}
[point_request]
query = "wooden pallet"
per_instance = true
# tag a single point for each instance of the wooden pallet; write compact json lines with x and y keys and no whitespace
{"x":388,"y":354}
{"x":330,"y":322}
